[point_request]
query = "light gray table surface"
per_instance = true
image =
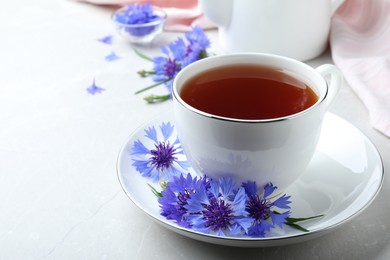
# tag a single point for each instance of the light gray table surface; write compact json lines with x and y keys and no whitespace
{"x":59,"y":193}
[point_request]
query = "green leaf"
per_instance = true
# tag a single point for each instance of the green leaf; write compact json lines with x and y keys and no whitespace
{"x":294,"y":220}
{"x":296,"y":226}
{"x":155,"y":192}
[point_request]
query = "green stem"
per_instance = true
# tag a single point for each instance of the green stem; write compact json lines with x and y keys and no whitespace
{"x":155,"y":192}
{"x":152,"y":86}
{"x":292,"y":222}
{"x":142,"y":55}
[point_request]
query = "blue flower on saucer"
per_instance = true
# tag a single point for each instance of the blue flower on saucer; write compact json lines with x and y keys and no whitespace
{"x":159,"y":155}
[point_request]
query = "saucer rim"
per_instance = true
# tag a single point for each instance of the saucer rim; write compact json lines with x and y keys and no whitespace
{"x":250,"y":241}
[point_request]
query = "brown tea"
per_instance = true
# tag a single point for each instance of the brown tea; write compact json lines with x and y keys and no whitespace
{"x":248,"y":92}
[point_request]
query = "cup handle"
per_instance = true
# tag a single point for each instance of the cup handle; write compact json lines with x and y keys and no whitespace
{"x":334,"y":83}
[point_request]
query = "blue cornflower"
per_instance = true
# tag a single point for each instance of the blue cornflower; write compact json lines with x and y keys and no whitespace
{"x":260,"y":209}
{"x":166,"y":67}
{"x":178,"y":54}
{"x":218,"y":209}
{"x":160,"y":156}
{"x":198,"y":43}
{"x":174,"y":197}
{"x":138,"y":14}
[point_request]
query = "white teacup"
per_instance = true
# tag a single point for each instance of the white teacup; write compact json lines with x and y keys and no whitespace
{"x":273,"y":150}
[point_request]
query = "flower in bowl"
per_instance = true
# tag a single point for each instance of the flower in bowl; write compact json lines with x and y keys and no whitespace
{"x":139,"y":23}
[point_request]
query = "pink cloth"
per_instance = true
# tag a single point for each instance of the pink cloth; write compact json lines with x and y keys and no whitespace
{"x":360,"y":44}
{"x":181,"y":14}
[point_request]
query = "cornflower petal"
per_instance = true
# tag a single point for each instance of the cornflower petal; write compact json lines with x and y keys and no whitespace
{"x":214,"y":188}
{"x":151,"y":133}
{"x":158,"y":63}
{"x":220,"y":233}
{"x":260,"y":230}
{"x":244,"y":222}
{"x":145,"y":170}
{"x":168,"y":173}
{"x":159,"y":78}
{"x":279,"y":218}
{"x":111,"y":57}
{"x":168,"y":84}
{"x":197,"y":36}
{"x":227,"y":186}
{"x":282,"y":202}
{"x":183,"y":164}
{"x":239,"y":202}
{"x":197,"y":223}
{"x":165,"y":50}
{"x":94,"y":89}
{"x":177,"y":142}
{"x":236,"y":230}
{"x":269,"y":189}
{"x":180,"y":183}
{"x":141,"y":166}
{"x":178,"y":49}
{"x":106,"y":39}
{"x":139,"y":148}
{"x":166,"y":130}
{"x":250,"y":188}
{"x":197,"y":200}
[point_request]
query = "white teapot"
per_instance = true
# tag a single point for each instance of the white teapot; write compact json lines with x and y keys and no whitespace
{"x":297,"y":29}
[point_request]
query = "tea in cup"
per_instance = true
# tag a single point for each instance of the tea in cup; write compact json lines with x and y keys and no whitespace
{"x":251,"y":116}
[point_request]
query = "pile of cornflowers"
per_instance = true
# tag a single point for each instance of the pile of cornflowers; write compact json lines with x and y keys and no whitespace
{"x":138,"y":14}
{"x":176,"y":55}
{"x":218,"y":207}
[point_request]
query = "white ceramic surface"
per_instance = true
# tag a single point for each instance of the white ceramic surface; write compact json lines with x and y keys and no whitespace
{"x":341,"y":181}
{"x":275,"y":150}
{"x":295,"y":28}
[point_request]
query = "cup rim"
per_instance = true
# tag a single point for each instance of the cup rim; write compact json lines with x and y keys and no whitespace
{"x":230,"y":56}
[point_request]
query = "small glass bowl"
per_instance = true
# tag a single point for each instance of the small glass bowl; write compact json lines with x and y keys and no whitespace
{"x":140,"y":33}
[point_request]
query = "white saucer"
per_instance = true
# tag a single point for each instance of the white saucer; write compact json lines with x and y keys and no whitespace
{"x":343,"y":178}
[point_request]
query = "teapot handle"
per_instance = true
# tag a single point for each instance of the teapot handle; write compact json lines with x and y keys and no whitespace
{"x":335,"y":5}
